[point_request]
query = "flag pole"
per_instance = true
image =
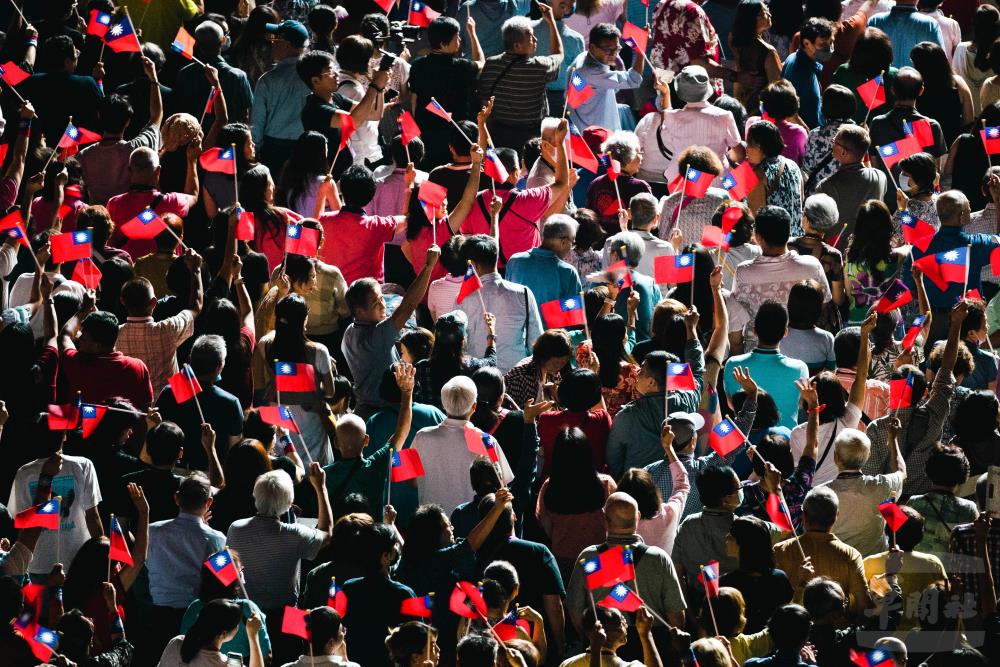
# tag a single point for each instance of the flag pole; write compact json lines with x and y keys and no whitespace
{"x":18,"y":10}
{"x":788,"y":515}
{"x":888,"y":171}
{"x":982,"y":138}
{"x":586,"y":327}
{"x":59,"y":531}
{"x":55,"y":148}
{"x":201,"y":415}
{"x":708,"y":600}
{"x":111,"y":523}
{"x":452,"y":121}
{"x":236,"y":177}
{"x":204,"y":112}
{"x":479,"y":292}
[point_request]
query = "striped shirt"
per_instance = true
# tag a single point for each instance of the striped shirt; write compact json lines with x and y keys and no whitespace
{"x":520,"y":93}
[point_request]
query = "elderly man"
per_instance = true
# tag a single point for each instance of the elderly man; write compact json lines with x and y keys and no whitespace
{"x":828,"y":556}
{"x":887,"y":128}
{"x":642,"y":216}
{"x":540,"y":269}
{"x":660,"y":585}
{"x":598,"y":69}
{"x":279,"y":96}
{"x":906,"y":28}
{"x":446,"y":450}
{"x":192,"y":88}
{"x":516,"y":79}
{"x":853,"y":183}
{"x":630,"y":248}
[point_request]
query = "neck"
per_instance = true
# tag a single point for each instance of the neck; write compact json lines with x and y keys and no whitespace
{"x":768,"y":347}
{"x":906,"y":104}
{"x":768,"y":251}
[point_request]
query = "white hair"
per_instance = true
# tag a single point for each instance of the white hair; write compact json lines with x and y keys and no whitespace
{"x":634,"y":246}
{"x":852,"y":448}
{"x":144,"y":159}
{"x":514,"y":31}
{"x":559,"y":225}
{"x":273,"y":493}
{"x":549,"y":127}
{"x":622,"y":145}
{"x":458,"y":395}
{"x":821,"y":506}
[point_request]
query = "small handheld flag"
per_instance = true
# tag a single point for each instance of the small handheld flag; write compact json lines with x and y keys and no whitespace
{"x":278,"y":415}
{"x":121,"y":37}
{"x":74,"y":137}
{"x":697,"y":183}
{"x":579,"y":152}
{"x":184,"y":385}
{"x":680,"y":378}
{"x":621,"y":597}
{"x":408,"y":127}
{"x":714,"y":237}
{"x":875,"y":658}
{"x":336,"y":598}
{"x":245,"y":226}
{"x":730,"y":217}
{"x":916,"y":231}
{"x":725,"y":437}
{"x":896,"y":295}
{"x":12,"y":74}
{"x":435,"y":108}
{"x":562,"y":313}
{"x":911,"y":334}
{"x":222,"y":566}
{"x":90,"y":415}
{"x":470,"y":284}
{"x":70,"y":246}
{"x":43,"y":515}
{"x":296,"y":622}
{"x":991,"y":139}
{"x":119,"y":547}
{"x":493,"y":167}
{"x":578,"y":91}
{"x":183,"y":44}
{"x":872,"y":92}
{"x":98,"y":23}
{"x":219,"y":160}
{"x":432,"y":193}
{"x":892,"y":153}
{"x":406,"y":464}
{"x":87,"y":274}
{"x":673,"y":269}
{"x":950,"y":266}
{"x":921,"y":131}
{"x":901,"y":392}
{"x":776,"y":513}
{"x":709,"y":578}
{"x":637,"y":38}
{"x":419,"y":606}
{"x":421,"y":15}
{"x":145,"y":225}
{"x":12,"y":226}
{"x":347,"y":129}
{"x":892,"y":514}
{"x":301,"y":240}
{"x":480,"y":443}
{"x":609,"y":567}
{"x":291,"y":376}
{"x":467,"y":601}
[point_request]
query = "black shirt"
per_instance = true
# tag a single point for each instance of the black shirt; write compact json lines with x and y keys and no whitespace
{"x":450,"y":80}
{"x":159,"y":487}
{"x":316,"y":115}
{"x":536,"y":567}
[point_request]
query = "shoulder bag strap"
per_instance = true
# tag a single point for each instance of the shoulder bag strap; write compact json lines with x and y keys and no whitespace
{"x":829,"y":444}
{"x":506,"y":69}
{"x":667,"y":154}
{"x":815,"y":172}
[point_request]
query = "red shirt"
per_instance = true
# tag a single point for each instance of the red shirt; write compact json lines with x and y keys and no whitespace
{"x":126,"y":206}
{"x":271,"y":244}
{"x":520,"y":225}
{"x":105,"y":376}
{"x":416,"y":249}
{"x":595,"y":424}
{"x":355,"y":243}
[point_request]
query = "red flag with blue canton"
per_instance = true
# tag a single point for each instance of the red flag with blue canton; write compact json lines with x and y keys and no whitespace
{"x":184,"y":385}
{"x":64,"y":417}
{"x":183,"y":43}
{"x":295,"y":622}
{"x":697,"y":183}
{"x":892,"y":514}
{"x":911,"y":334}
{"x":87,"y":274}
{"x":921,"y":131}
{"x":438,"y":110}
{"x":419,"y":606}
{"x":991,"y":139}
{"x":673,"y":269}
{"x":244,"y":226}
{"x":121,"y":37}
{"x":613,"y":166}
{"x":892,"y":153}
{"x":347,"y":128}
{"x":219,"y":160}
{"x":470,"y":284}
{"x":421,"y":15}
{"x":467,"y":601}
{"x":725,"y":437}
{"x":222,"y":566}
{"x":145,"y":225}
{"x":875,"y":658}
{"x":679,"y":377}
{"x":301,"y":240}
{"x":74,"y":137}
{"x":432,"y":193}
{"x":506,"y":627}
{"x":336,"y":598}
{"x":494,"y":167}
{"x":12,"y":74}
{"x":776,"y":514}
{"x":578,"y":92}
{"x":90,"y":417}
{"x":730,"y":217}
{"x":406,"y":464}
{"x":98,"y":23}
{"x":42,"y":641}
{"x":872,"y":92}
{"x":291,"y":376}
{"x":740,"y":181}
{"x":896,"y":295}
{"x":408,"y":127}
{"x":611,"y":566}
{"x":709,"y":578}
{"x":278,"y":415}
{"x":70,"y":246}
{"x":621,"y":597}
{"x":43,"y":515}
{"x":210,"y":104}
{"x":714,"y":237}
{"x":480,"y":443}
{"x":916,"y":231}
{"x":901,"y":392}
{"x":950,"y":266}
{"x":637,"y":38}
{"x":12,"y":226}
{"x":619,"y":271}
{"x":119,"y":547}
{"x":562,"y":313}
{"x":579,"y":151}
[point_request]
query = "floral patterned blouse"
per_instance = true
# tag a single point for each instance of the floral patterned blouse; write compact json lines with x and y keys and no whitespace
{"x":624,"y":392}
{"x":865,"y":284}
{"x":787,"y":192}
{"x":924,"y":210}
{"x":680,"y":33}
{"x":819,"y":147}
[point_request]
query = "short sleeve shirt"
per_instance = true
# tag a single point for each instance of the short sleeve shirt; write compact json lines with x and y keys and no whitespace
{"x":519,"y":226}
{"x":368,"y":349}
{"x":316,"y":115}
{"x":359,"y":247}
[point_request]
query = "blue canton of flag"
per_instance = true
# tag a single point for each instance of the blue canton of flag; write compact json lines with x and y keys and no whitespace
{"x":728,"y":182}
{"x":220,"y":560}
{"x":293,"y":230}
{"x":578,"y":82}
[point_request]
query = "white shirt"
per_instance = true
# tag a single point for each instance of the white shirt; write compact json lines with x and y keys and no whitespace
{"x":859,"y":522}
{"x":172,"y":656}
{"x":441,"y":295}
{"x":697,"y":124}
{"x":364,"y":141}
{"x":826,"y":472}
{"x":77,"y":486}
{"x":313,"y":661}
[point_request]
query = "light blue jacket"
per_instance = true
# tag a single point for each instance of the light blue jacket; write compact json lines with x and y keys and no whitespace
{"x":548,"y":277}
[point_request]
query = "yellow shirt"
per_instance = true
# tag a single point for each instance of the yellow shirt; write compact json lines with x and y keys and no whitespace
{"x":919,"y":571}
{"x":830,"y":558}
{"x":756,"y":645}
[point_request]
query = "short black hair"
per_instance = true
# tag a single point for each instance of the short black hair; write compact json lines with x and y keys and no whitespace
{"x":102,"y":326}
{"x":846,"y":345}
{"x":135,"y":296}
{"x":324,"y":625}
{"x":357,"y":186}
{"x":193,"y":492}
{"x":312,"y":64}
{"x":815,"y":28}
{"x":451,"y":255}
{"x":908,"y":84}
{"x":771,"y":322}
{"x":838,"y":102}
{"x":765,"y":134}
{"x":402,"y":153}
{"x":354,"y":52}
{"x":579,"y":390}
{"x":477,"y":651}
{"x":789,"y":627}
{"x":715,"y":483}
{"x":921,"y":167}
{"x":657,"y":361}
{"x":780,"y":100}
{"x":911,"y":532}
{"x":297,"y":267}
{"x":805,"y":304}
{"x":481,"y":249}
{"x":773,"y":225}
{"x":458,"y":137}
{"x":442,"y":30}
{"x":947,"y":465}
{"x":603,"y":32}
{"x":164,"y":442}
{"x":116,"y":112}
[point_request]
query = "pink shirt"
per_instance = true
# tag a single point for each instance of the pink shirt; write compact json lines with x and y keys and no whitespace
{"x":519,"y":227}
{"x":41,"y":210}
{"x":661,"y":530}
{"x":126,"y":206}
{"x":271,"y":245}
{"x":355,"y":244}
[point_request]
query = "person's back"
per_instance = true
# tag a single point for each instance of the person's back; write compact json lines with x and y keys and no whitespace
{"x":906,"y":28}
{"x":540,"y":269}
{"x":192,"y":87}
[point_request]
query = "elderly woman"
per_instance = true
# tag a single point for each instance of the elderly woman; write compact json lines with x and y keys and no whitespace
{"x":687,"y":213}
{"x":820,"y":222}
{"x":271,"y":549}
{"x":550,"y":355}
{"x":607,"y":195}
{"x":779,"y":179}
{"x":643,"y":285}
{"x":916,"y":194}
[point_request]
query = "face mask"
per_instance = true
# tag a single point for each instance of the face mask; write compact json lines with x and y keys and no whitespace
{"x":823,"y":55}
{"x":227,"y":43}
{"x":739,"y":496}
{"x":904,"y":182}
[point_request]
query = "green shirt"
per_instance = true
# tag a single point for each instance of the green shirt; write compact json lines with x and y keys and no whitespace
{"x":368,"y":476}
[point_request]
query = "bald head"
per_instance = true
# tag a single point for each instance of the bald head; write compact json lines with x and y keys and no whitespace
{"x":352,"y":436}
{"x":144,"y":166}
{"x":953,"y":208}
{"x":208,"y":36}
{"x":908,"y":85}
{"x":621,"y":514}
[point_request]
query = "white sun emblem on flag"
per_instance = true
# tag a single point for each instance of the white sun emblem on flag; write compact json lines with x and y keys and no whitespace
{"x":728,"y":182}
{"x":685,"y":260}
{"x":116,"y":30}
{"x":227,"y":154}
{"x":104,"y":19}
{"x":590,"y":567}
{"x":48,"y":507}
{"x":88,"y":411}
{"x":220,"y":561}
{"x":72,"y":132}
{"x":993,"y":133}
{"x":621,"y":591}
{"x":677,"y":368}
{"x":81,"y":237}
{"x":570,"y":303}
{"x":887,"y":150}
{"x":45,"y":637}
{"x":724,"y":428}
{"x":692,"y":173}
{"x":951,"y":255}
{"x":293,"y":231}
{"x":286,"y":368}
{"x":147,"y":215}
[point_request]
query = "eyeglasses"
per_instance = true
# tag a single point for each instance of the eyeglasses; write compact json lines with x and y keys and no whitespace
{"x":610,"y":50}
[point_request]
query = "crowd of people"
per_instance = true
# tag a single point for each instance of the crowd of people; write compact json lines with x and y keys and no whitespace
{"x":499,"y":333}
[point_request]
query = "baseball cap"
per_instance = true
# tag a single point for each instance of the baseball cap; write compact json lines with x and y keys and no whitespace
{"x":292,"y":32}
{"x":685,"y":425}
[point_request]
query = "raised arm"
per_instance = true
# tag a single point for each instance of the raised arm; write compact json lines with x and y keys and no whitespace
{"x":461,"y":212}
{"x":561,"y":187}
{"x":15,"y":169}
{"x":192,"y":153}
{"x":808,"y":393}
{"x":415,"y":294}
{"x":219,"y":109}
{"x":405,"y":374}
{"x":922,"y":302}
{"x":482,"y":530}
{"x":475,"y":50}
{"x":128,"y":574}
{"x":719,"y":342}
{"x":155,"y":98}
{"x":857,"y":395}
{"x":324,"y":521}
{"x":958,"y":313}
{"x":555,"y":41}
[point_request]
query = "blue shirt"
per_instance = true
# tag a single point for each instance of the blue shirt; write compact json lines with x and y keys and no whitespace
{"x":906,"y":28}
{"x":776,"y":374}
{"x":602,"y":108}
{"x":949,"y":238}
{"x":277,"y":103}
{"x":649,"y":296}
{"x":489,"y":16}
{"x":573,"y":46}
{"x":548,"y":277}
{"x":803,"y":72}
{"x":177,"y":549}
{"x":240,"y":643}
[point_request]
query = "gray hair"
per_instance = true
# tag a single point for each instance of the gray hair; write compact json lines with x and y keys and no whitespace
{"x":852,"y":448}
{"x":458,"y":395}
{"x":634,"y":247}
{"x":208,"y":353}
{"x":821,"y":506}
{"x":514,"y":31}
{"x":144,"y":159}
{"x":950,"y":205}
{"x":549,"y":126}
{"x":622,"y":146}
{"x":559,"y":225}
{"x":272,"y":493}
{"x":821,"y":210}
{"x":643,"y":209}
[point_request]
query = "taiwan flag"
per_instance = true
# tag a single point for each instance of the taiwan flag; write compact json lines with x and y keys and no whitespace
{"x":347,"y":129}
{"x":897,"y":150}
{"x":219,"y":160}
{"x":121,"y":37}
{"x":406,"y":464}
{"x":730,"y":217}
{"x":432,"y":194}
{"x":222,"y":566}
{"x":183,"y":43}
{"x":991,"y":139}
{"x":87,"y":274}
{"x":145,"y":225}
{"x":435,"y":108}
{"x":184,"y":385}
{"x":776,"y":513}
{"x":408,"y":127}
{"x":911,"y":334}
{"x":43,"y":515}
{"x":620,"y":273}
{"x":872,"y":92}
{"x":470,"y":284}
{"x":621,"y":597}
{"x":90,"y":417}
{"x":244,"y":226}
{"x":98,"y":23}
{"x":562,"y":313}
{"x":119,"y":547}
{"x":725,"y":437}
{"x":875,"y":658}
{"x":467,"y":601}
{"x":12,"y":74}
{"x":679,"y":377}
{"x":950,"y":266}
{"x":12,"y":226}
{"x":63,"y":417}
{"x":579,"y":151}
{"x":480,"y":443}
{"x":74,"y":137}
{"x":709,"y":578}
{"x":893,"y":516}
{"x":696,"y":183}
{"x":921,"y":131}
{"x":43,"y":642}
{"x":635,"y":37}
{"x":421,"y":15}
{"x":290,"y":376}
{"x":714,"y":237}
{"x":419,"y":606}
{"x":673,"y":269}
{"x":901,"y":392}
{"x":70,"y":246}
{"x":210,"y":104}
{"x":973,"y":295}
{"x":578,"y":92}
{"x":278,"y":415}
{"x":494,"y":167}
{"x":609,"y":567}
{"x":301,"y":240}
{"x":506,"y":627}
{"x":740,"y":181}
{"x":612,"y":166}
{"x":916,"y":231}
{"x":897,"y":295}
{"x":295,"y":622}
{"x":336,"y":598}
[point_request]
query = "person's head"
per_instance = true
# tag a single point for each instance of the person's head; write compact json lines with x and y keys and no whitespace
{"x":719,"y":488}
{"x":476,"y":650}
{"x":763,"y":142}
{"x":398,"y":150}
{"x":693,"y":84}
{"x":217,"y":620}
{"x":518,"y":36}
{"x":642,"y":209}
{"x":482,"y":251}
{"x":559,"y":234}
{"x":772,"y":228}
{"x":817,"y":39}
{"x":115,"y":114}
{"x":352,"y":436}
{"x":624,"y":147}
{"x":317,"y":71}
{"x":612,"y":620}
{"x":974,"y":329}
{"x":934,"y":66}
{"x":290,"y":39}
{"x":407,"y":643}
{"x":779,"y":100}
{"x":851,"y":449}
{"x":445,"y":34}
{"x":908,"y":85}
{"x":964,"y":366}
{"x":953,"y":208}
{"x":505,"y":583}
{"x":639,"y":484}
{"x":98,"y":333}
{"x":728,"y":611}
{"x":354,"y":53}
{"x":143,"y":167}
{"x":552,"y":350}
{"x":208,"y":39}
{"x":824,"y":600}
{"x":605,"y":43}
{"x":872,"y":54}
{"x":208,"y":357}
{"x":895,"y":647}
{"x":749,"y":540}
{"x":805,"y":304}
{"x":165,"y":444}
{"x":819,"y":509}
{"x":838,"y":104}
{"x":621,"y":514}
{"x":483,"y":477}
{"x":701,"y":158}
{"x":851,"y":143}
{"x":357,"y":186}
{"x":917,"y":174}
{"x":627,"y":246}
{"x":872,"y":237}
{"x":653,"y":372}
{"x":138,"y":298}
{"x":415,"y":344}
{"x":322,"y":20}
{"x":458,"y":397}
{"x":820,"y":214}
{"x":947,"y":466}
{"x":985,"y":30}
{"x":753,"y":18}
{"x":771,"y":323}
{"x":272,"y":493}
{"x":710,"y":652}
{"x":911,"y":532}
{"x":383,"y":547}
{"x":326,"y":631}
{"x":60,"y":54}
{"x":430,"y":530}
{"x":733,"y":106}
{"x":846,"y":345}
{"x":76,"y":635}
{"x":789,"y":627}
{"x":364,"y":299}
{"x":579,"y":391}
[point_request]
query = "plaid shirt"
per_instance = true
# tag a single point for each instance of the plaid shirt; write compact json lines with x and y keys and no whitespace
{"x":963,"y":565}
{"x":426,"y":391}
{"x":920,"y":432}
{"x":523,"y":381}
{"x":155,"y":343}
{"x":794,"y":488}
